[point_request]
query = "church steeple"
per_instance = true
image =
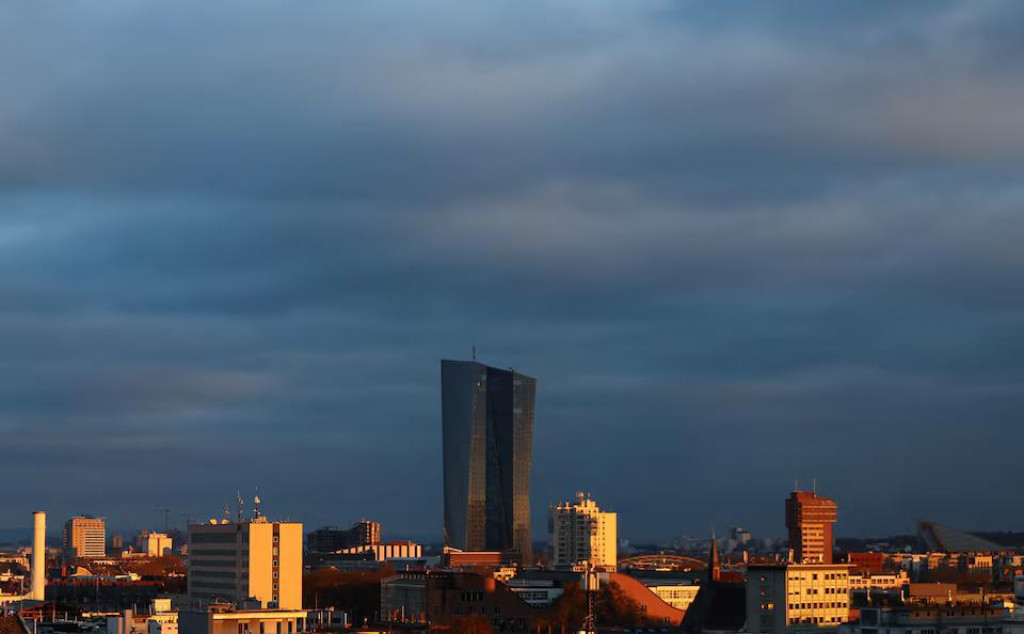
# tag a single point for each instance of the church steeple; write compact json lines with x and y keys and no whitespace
{"x":714,"y":566}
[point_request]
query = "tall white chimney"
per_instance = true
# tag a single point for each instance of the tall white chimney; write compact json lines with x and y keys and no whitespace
{"x":38,"y":555}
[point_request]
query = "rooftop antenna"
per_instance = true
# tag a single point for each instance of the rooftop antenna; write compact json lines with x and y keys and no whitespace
{"x":227,"y":512}
{"x":796,"y":484}
{"x":814,"y":485}
{"x":256,"y":505}
{"x":240,"y":503}
{"x":474,"y":352}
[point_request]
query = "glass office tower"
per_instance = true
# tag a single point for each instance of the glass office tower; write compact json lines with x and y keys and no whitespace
{"x":487,"y":417}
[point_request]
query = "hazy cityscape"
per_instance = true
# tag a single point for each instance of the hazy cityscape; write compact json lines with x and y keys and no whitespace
{"x":243,"y":570}
{"x":553,"y":317}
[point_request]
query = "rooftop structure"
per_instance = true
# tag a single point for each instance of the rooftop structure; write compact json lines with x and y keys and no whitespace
{"x":937,"y":537}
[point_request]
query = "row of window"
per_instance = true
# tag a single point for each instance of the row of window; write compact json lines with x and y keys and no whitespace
{"x":818,"y":606}
{"x":279,"y":627}
{"x":827,"y":590}
{"x":821,"y":620}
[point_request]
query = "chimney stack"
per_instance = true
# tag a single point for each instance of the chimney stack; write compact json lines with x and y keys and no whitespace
{"x":38,"y":555}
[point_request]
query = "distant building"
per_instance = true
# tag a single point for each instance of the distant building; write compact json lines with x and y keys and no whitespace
{"x":809,"y":519}
{"x":487,"y":419}
{"x":159,"y":619}
{"x":937,"y":537}
{"x":784,"y":597}
{"x":227,"y":620}
{"x":390,"y":550}
{"x":944,"y":619}
{"x":882,"y":581}
{"x":581,"y":532}
{"x":677,"y":595}
{"x":232,"y":562}
{"x":331,"y":539}
{"x":441,"y":598}
{"x":85,"y":537}
{"x":867,"y":563}
{"x":739,"y":537}
{"x":154,"y":544}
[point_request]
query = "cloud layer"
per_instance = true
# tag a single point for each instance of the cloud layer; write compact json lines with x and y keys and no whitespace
{"x":736,"y":245}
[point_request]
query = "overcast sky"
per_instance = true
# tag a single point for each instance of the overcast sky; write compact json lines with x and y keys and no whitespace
{"x":737,"y":244}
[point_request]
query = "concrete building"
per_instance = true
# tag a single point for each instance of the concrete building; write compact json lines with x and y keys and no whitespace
{"x":581,"y":532}
{"x":257,"y":560}
{"x":809,"y":519}
{"x":678,"y":595}
{"x":221,"y":619}
{"x":154,"y":544}
{"x":85,"y":537}
{"x":390,"y":550}
{"x":160,"y":619}
{"x":791,"y":597}
{"x":945,"y":619}
{"x":332,"y":539}
{"x":536,"y":592}
{"x":487,"y":420}
{"x":883,"y":581}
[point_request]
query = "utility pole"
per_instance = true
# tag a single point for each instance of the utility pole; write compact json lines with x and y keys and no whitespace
{"x":590,"y":584}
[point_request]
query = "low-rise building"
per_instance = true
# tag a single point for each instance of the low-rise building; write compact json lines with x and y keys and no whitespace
{"x":225,"y":619}
{"x":788,"y":597}
{"x":677,"y":595}
{"x":932,"y":619}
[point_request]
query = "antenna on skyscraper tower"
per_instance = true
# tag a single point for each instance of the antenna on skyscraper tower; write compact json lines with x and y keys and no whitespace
{"x":474,"y":352}
{"x":256,"y":506}
{"x":240,"y":503}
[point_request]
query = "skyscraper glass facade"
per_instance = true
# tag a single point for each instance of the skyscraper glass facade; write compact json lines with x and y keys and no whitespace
{"x":487,"y":417}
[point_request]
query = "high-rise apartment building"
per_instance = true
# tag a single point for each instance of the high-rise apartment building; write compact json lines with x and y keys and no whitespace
{"x":788,"y":597}
{"x":85,"y":537}
{"x":581,"y":532}
{"x":487,"y":417}
{"x":809,"y":519}
{"x":154,"y":544}
{"x":235,"y":561}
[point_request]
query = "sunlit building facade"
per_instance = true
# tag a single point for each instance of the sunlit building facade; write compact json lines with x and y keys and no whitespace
{"x":795,"y":597}
{"x":85,"y":537}
{"x":809,"y":519}
{"x":233,"y":562}
{"x":581,"y":532}
{"x":487,"y":417}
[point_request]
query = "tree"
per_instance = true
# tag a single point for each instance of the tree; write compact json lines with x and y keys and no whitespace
{"x":613,"y":607}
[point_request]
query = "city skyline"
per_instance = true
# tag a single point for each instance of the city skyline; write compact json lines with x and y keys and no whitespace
{"x":736,"y":246}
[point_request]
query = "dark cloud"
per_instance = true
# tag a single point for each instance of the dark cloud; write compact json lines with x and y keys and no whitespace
{"x":736,"y":245}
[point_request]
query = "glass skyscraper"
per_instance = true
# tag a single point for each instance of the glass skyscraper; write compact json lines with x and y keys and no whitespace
{"x":487,"y":416}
